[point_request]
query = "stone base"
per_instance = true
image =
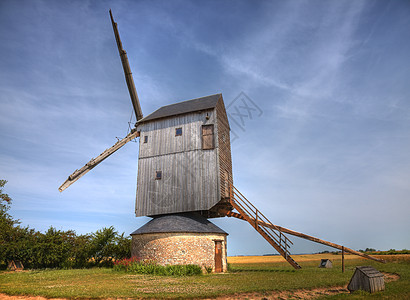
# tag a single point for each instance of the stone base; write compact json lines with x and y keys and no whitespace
{"x":179,"y":239}
{"x":179,"y":248}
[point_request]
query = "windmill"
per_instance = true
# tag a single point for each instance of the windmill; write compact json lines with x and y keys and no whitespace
{"x":185,"y":178}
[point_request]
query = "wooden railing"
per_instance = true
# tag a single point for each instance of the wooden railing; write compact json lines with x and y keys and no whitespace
{"x":257,"y":217}
{"x":261,"y":223}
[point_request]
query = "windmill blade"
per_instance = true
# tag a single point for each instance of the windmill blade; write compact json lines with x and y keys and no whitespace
{"x":95,"y":161}
{"x":127,"y":72}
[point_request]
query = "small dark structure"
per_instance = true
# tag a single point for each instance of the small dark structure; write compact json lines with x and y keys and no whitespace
{"x":366,"y":278}
{"x":326,"y":263}
{"x":15,"y":266}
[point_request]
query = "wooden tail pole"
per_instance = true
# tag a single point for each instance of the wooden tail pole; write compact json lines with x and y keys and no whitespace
{"x":316,"y":240}
{"x":343,"y":259}
{"x":127,"y":72}
{"x":310,"y":238}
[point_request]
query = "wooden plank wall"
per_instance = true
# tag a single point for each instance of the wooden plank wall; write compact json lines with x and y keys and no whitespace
{"x":189,"y":174}
{"x":224,"y":148}
{"x":361,"y":281}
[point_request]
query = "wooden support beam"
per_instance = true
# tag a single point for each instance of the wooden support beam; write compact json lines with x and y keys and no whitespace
{"x":77,"y":174}
{"x":308,"y":237}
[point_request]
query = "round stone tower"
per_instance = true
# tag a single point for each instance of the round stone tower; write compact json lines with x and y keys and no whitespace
{"x":186,"y":238}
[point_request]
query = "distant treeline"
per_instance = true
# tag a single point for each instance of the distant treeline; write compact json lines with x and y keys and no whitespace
{"x":388,"y":252}
{"x":372,"y":251}
{"x":56,"y":248}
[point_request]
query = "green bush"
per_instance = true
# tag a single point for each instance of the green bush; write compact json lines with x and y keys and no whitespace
{"x":148,"y":267}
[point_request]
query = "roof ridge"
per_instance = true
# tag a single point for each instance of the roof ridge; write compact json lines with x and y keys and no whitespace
{"x":179,"y":222}
{"x":183,"y":107}
{"x":180,"y":102}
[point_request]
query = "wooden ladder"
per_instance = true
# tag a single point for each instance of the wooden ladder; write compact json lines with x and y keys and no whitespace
{"x":247,"y":211}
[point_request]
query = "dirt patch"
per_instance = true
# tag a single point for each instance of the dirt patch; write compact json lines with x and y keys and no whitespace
{"x":296,"y":294}
{"x":6,"y":297}
{"x":388,"y":277}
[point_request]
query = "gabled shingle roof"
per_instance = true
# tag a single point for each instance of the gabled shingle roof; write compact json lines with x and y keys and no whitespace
{"x":203,"y":103}
{"x":184,"y":222}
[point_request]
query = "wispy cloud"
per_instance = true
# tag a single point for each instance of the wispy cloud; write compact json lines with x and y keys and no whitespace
{"x":330,"y":77}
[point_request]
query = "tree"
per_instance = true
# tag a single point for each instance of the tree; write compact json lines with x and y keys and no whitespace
{"x":102,"y":244}
{"x":4,"y":197}
{"x":5,"y":202}
{"x":6,"y":224}
{"x":107,"y":244}
{"x":16,"y":243}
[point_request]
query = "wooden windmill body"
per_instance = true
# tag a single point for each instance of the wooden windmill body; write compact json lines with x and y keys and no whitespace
{"x":184,"y":178}
{"x":184,"y":162}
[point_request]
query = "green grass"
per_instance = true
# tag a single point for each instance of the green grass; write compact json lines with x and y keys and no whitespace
{"x":106,"y":283}
{"x":393,"y":290}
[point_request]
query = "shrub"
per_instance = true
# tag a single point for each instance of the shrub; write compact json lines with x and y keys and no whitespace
{"x":149,"y":267}
{"x":208,"y":269}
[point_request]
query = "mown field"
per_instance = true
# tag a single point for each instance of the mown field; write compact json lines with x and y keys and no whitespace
{"x":250,"y":277}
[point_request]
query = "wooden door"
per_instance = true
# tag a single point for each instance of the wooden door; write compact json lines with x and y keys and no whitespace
{"x":208,"y":137}
{"x":218,"y":256}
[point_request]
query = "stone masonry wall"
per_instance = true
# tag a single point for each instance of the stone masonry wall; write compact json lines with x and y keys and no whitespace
{"x":179,"y":248}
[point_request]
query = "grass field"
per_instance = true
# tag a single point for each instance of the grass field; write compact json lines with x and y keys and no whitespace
{"x":262,"y":276}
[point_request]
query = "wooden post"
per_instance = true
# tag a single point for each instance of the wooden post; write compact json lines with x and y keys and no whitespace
{"x":343,"y":259}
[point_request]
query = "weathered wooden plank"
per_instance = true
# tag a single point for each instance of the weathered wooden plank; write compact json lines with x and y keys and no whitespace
{"x":224,"y":150}
{"x":188,"y":183}
{"x":161,"y":134}
{"x":190,"y":175}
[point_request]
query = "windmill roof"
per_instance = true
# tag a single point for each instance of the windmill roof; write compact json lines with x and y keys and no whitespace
{"x":203,"y":103}
{"x":184,"y":222}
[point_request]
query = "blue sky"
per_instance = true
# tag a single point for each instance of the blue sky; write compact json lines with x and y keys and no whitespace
{"x":327,"y":153}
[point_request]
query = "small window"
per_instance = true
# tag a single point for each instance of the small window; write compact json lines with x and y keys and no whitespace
{"x":178,"y":131}
{"x":208,"y":137}
{"x":158,"y":175}
{"x":145,"y":139}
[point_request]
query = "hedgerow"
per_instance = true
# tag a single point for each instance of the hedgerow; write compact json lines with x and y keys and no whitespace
{"x":57,"y":248}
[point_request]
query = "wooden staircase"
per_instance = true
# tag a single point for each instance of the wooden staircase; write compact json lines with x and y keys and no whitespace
{"x":247,"y":211}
